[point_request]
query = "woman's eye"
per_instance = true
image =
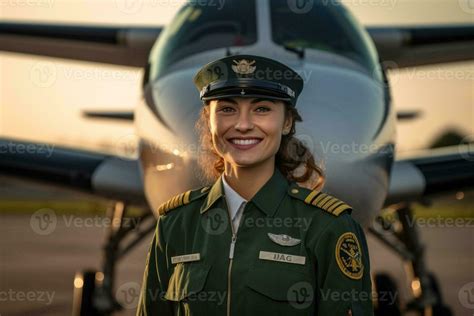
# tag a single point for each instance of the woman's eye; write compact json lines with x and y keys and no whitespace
{"x":263,"y":109}
{"x":226,"y":109}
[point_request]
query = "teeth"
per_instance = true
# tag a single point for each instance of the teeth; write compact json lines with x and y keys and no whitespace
{"x":245,"y":142}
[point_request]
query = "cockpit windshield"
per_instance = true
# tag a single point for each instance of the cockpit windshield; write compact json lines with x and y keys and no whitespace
{"x":205,"y":25}
{"x":322,"y":25}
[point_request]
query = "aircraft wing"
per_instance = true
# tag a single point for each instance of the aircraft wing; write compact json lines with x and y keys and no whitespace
{"x":96,"y":174}
{"x":432,"y":172}
{"x":118,"y":45}
{"x":409,"y":46}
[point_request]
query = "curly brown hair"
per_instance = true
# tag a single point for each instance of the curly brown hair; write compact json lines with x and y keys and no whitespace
{"x":292,"y":157}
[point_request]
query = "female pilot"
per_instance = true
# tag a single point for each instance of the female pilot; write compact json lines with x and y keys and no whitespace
{"x":257,"y":241}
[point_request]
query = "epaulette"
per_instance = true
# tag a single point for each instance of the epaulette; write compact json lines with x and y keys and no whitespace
{"x":322,"y":200}
{"x":182,"y":199}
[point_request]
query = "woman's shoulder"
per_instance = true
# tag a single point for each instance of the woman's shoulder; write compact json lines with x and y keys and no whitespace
{"x":317,"y":199}
{"x":182,"y":199}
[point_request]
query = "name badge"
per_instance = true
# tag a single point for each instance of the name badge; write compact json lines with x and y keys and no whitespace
{"x":186,"y":258}
{"x":282,"y":257}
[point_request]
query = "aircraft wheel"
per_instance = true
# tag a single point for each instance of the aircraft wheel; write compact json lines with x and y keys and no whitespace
{"x":84,"y":288}
{"x":387,"y":296}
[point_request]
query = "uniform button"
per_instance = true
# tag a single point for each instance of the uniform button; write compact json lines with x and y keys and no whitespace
{"x":294,"y":191}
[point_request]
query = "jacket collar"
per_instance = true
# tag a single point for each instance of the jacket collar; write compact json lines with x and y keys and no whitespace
{"x":267,"y":199}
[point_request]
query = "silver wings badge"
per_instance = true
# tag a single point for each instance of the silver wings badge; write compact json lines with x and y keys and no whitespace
{"x":284,"y":240}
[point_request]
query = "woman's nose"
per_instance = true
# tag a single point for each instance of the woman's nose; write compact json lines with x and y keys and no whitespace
{"x":244,"y":121}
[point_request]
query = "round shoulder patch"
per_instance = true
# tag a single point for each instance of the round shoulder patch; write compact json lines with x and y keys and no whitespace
{"x":349,"y":256}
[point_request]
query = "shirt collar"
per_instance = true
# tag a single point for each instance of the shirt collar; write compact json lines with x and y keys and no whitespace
{"x":233,"y":198}
{"x":267,"y":199}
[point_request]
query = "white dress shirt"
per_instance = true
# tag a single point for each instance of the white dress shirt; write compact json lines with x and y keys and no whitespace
{"x":235,"y":202}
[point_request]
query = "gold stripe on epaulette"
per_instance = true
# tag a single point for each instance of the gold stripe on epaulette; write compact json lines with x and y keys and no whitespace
{"x":319,"y":198}
{"x":174,"y":202}
{"x":341,"y":209}
{"x":326,"y":202}
{"x":330,"y":203}
{"x":310,"y":196}
{"x":322,"y":201}
{"x":335,"y":205}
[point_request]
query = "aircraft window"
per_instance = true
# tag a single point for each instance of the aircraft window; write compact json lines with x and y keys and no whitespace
{"x":327,"y":26}
{"x":198,"y":27}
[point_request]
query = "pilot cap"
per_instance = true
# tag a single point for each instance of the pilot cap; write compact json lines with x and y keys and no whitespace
{"x":248,"y":76}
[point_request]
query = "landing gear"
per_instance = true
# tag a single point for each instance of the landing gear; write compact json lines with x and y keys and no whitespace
{"x":94,"y":290}
{"x":400,"y":234}
{"x":387,"y":296}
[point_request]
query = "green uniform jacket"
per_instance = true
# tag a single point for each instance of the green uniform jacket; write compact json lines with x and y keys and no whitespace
{"x":296,"y":252}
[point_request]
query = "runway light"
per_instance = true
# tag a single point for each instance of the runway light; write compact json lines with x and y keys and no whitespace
{"x":416,"y":287}
{"x":99,"y":276}
{"x":459,"y":195}
{"x":78,"y":282}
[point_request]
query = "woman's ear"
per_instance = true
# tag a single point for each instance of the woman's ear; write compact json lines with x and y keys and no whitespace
{"x":288,"y":123}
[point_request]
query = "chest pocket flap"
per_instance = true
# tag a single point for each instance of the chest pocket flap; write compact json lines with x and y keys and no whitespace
{"x":280,"y":284}
{"x":187,"y":279}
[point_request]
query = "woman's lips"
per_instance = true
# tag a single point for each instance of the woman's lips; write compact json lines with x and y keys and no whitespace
{"x":244,"y":144}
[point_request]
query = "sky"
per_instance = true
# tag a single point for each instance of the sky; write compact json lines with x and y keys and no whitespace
{"x":50,"y":111}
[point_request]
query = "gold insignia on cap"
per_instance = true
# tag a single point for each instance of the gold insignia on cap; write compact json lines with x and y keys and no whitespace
{"x":284,"y":240}
{"x":349,"y":256}
{"x":244,"y":66}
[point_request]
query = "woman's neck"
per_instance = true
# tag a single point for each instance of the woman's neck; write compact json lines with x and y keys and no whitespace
{"x":247,"y":181}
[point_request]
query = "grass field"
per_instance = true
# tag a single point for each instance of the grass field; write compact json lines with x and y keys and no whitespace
{"x":443,"y":207}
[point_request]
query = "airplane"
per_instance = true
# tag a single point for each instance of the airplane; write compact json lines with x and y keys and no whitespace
{"x":346,"y":103}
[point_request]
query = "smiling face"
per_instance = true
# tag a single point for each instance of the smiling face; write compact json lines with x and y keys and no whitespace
{"x":246,"y":132}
